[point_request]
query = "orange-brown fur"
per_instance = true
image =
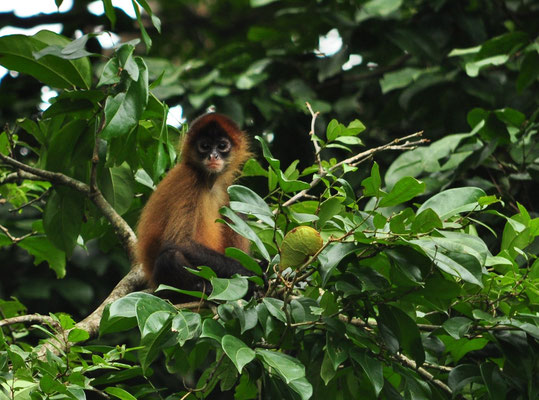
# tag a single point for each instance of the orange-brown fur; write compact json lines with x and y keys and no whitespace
{"x":184,"y":209}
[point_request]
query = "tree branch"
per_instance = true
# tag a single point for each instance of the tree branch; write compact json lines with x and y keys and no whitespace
{"x":422,"y":371}
{"x":30,"y":318}
{"x":122,"y":229}
{"x":314,"y":137}
{"x":132,"y":281}
{"x":360,"y":157}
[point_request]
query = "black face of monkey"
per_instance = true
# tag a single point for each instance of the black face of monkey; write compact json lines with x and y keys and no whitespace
{"x":213,"y":150}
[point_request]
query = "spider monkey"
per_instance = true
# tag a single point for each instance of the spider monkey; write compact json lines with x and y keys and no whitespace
{"x":177,"y":227}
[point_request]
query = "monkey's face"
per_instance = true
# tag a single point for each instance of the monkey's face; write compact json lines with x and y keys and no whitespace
{"x":213,"y":152}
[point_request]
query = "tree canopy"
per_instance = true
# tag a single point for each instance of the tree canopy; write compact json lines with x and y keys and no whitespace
{"x":392,"y":197}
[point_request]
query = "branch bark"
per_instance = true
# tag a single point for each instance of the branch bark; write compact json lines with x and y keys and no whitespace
{"x":123,"y":230}
{"x":132,"y":281}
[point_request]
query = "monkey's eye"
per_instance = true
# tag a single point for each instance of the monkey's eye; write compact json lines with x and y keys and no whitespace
{"x":223,"y":146}
{"x":204,"y":146}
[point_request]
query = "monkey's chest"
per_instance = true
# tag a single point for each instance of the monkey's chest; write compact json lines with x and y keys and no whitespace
{"x":209,"y":232}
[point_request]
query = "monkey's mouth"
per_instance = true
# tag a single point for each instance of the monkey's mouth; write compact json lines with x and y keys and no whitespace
{"x":214,"y":166}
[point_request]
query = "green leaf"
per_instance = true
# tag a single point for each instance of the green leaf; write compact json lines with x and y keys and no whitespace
{"x":120,"y":315}
{"x":155,"y":336}
{"x":529,"y":70}
{"x":275,"y":308}
{"x":459,"y":348}
{"x":66,"y":143}
{"x":302,"y":387}
{"x":116,"y":183}
{"x":120,"y":393}
{"x":111,"y":73}
{"x":78,"y":335}
{"x":260,"y":3}
{"x":458,"y":263}
{"x":245,"y":259}
{"x":287,"y":185}
{"x":62,"y":218}
{"x":405,"y":189}
{"x":228,"y":289}
{"x":212,"y":329}
{"x":145,"y":37}
{"x":328,"y":209}
{"x":253,"y":168}
{"x":237,"y":351}
{"x":240,"y":226}
{"x":302,"y":309}
{"x":147,"y":306}
{"x":245,"y":201}
{"x":399,"y":79}
{"x":372,"y":184}
{"x":188,"y":326}
{"x":462,"y":375}
{"x":380,"y":8}
{"x":44,"y":251}
{"x":453,"y":201}
{"x":247,"y":316}
{"x":398,"y":329}
{"x":253,"y":75}
{"x":372,"y":368}
{"x":331,"y":256}
{"x":71,"y":51}
{"x":193,"y":293}
{"x":123,"y":111}
{"x":48,"y":385}
{"x":288,"y":368}
{"x":327,"y":373}
{"x":426,"y":221}
{"x":410,"y":262}
{"x":337,"y":354}
{"x":464,"y":243}
{"x":457,"y":327}
{"x":110,"y":13}
{"x":17,"y":54}
{"x":332,"y":130}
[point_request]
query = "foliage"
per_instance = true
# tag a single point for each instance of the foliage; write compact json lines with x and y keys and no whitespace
{"x":426,"y":281}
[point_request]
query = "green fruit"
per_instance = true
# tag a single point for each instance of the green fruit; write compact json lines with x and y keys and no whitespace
{"x":298,"y":244}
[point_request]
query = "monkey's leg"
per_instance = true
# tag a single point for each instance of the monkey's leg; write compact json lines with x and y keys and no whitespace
{"x":170,"y":270}
{"x":223,"y":266}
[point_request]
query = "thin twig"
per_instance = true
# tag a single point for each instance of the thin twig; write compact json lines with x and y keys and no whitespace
{"x":422,"y":371}
{"x":30,"y":318}
{"x":95,"y":154}
{"x":13,"y":238}
{"x":314,"y":137}
{"x":393,"y":145}
{"x":41,"y":196}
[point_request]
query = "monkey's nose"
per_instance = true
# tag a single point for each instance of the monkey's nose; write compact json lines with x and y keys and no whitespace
{"x":214,"y":156}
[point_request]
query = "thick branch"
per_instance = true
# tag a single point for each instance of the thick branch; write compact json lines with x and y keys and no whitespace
{"x":133,"y":280}
{"x":122,"y":229}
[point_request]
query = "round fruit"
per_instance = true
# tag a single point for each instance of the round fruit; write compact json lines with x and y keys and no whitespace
{"x":298,"y":244}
